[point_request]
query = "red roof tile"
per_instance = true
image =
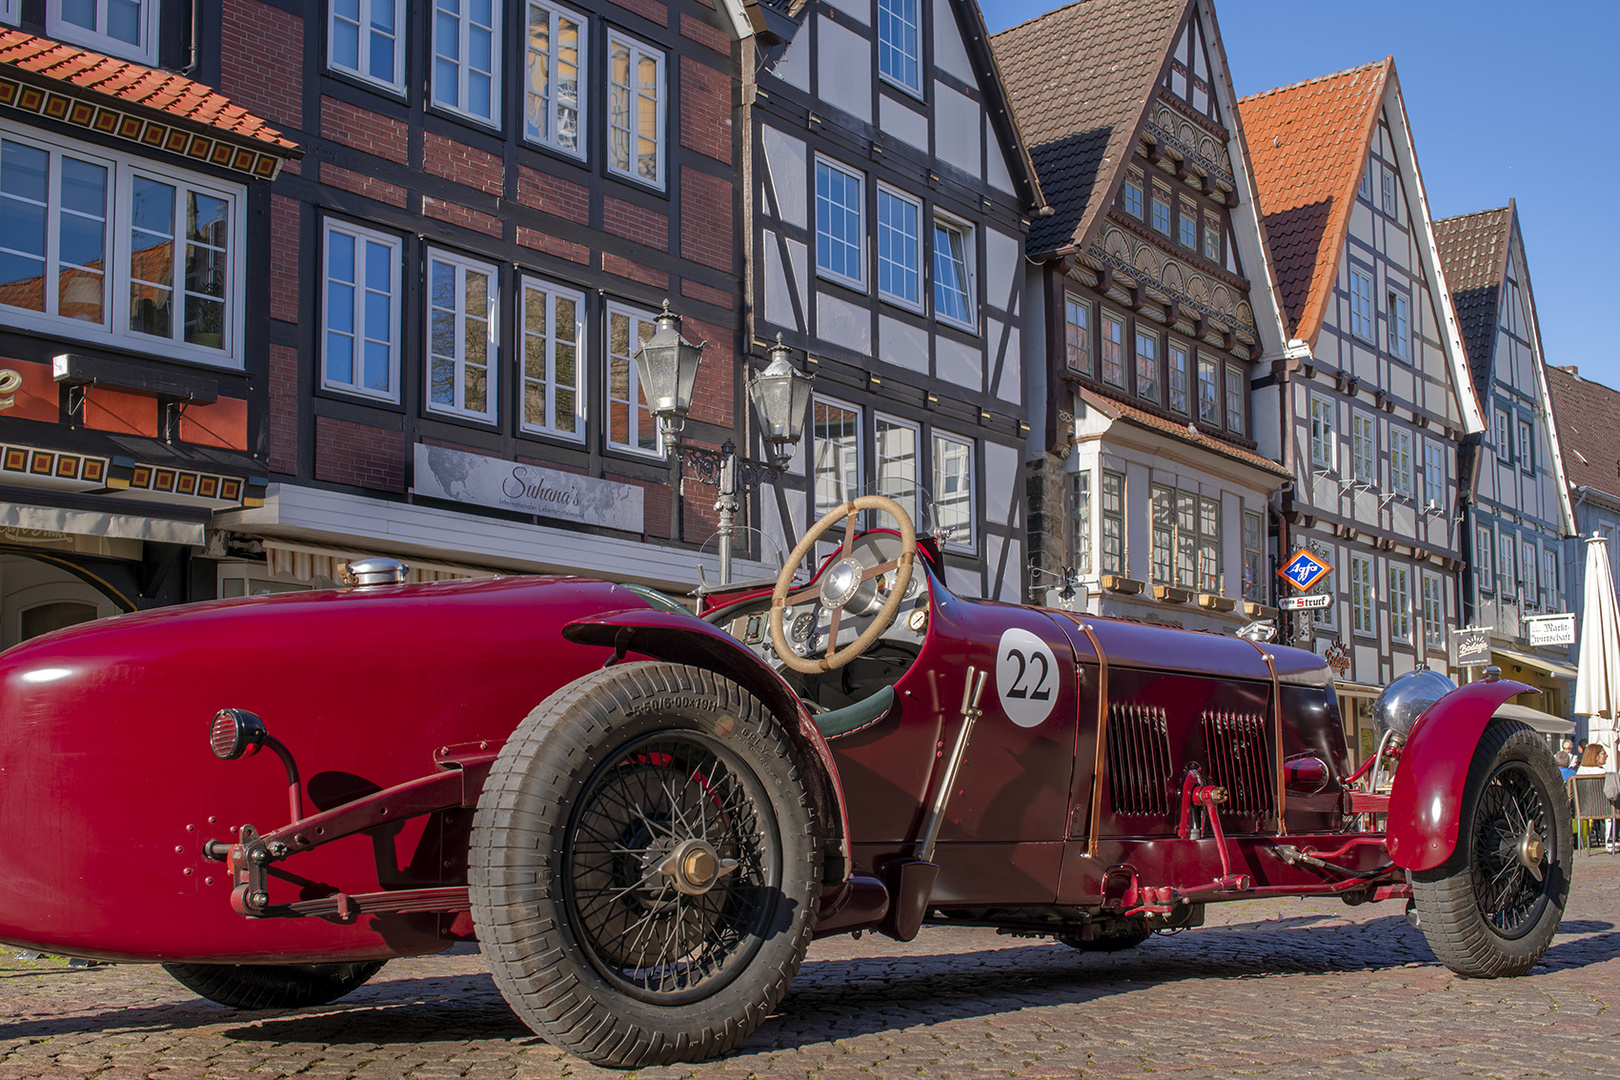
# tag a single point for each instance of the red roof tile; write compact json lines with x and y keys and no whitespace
{"x":1588,"y":419}
{"x":93,"y":74}
{"x":1474,"y":252}
{"x":1188,"y":433}
{"x":1309,"y":145}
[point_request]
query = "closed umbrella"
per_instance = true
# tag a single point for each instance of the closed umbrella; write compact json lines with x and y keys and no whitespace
{"x":1597,"y":680}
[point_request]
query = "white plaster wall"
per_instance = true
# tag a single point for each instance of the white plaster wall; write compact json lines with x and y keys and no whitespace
{"x":904,"y":123}
{"x":843,"y":323}
{"x":844,"y":80}
{"x":786,"y":171}
{"x":957,"y":128}
{"x":902,"y":344}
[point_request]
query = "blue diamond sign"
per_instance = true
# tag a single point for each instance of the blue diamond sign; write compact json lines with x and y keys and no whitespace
{"x":1304,"y":570}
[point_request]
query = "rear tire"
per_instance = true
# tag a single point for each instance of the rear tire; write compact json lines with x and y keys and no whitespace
{"x":1483,"y":910}
{"x":644,"y":870}
{"x":273,"y":986}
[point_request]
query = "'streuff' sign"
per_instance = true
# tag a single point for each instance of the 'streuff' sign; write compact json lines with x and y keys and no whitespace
{"x":1304,"y":570}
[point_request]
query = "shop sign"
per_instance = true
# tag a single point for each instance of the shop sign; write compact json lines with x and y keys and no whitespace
{"x":1337,"y":656}
{"x":442,"y":473}
{"x":1304,"y":570}
{"x":1549,"y":629}
{"x":1305,"y":603}
{"x":10,"y":383}
{"x":1472,"y":644}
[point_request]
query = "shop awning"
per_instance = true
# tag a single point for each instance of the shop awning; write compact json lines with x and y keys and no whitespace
{"x":98,"y":523}
{"x":1549,"y":667}
{"x":1543,"y":722}
{"x":307,"y":562}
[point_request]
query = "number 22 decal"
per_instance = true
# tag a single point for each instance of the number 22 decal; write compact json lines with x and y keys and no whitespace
{"x":1028,"y":677}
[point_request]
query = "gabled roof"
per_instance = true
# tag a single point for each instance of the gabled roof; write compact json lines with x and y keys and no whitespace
{"x":1309,"y":145}
{"x":1080,"y":79}
{"x":1120,"y":410}
{"x":1474,"y":251}
{"x":157,"y":109}
{"x":1588,"y":415}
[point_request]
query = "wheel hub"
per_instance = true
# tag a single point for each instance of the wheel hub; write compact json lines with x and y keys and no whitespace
{"x":694,"y":867}
{"x":1531,"y":848}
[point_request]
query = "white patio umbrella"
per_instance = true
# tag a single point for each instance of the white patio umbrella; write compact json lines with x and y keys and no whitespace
{"x":1597,"y":680}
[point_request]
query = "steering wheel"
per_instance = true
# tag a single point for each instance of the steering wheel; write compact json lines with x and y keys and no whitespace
{"x":845,"y":580}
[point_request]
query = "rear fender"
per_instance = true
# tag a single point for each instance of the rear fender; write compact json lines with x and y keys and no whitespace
{"x":683,"y":639}
{"x":1425,"y":802}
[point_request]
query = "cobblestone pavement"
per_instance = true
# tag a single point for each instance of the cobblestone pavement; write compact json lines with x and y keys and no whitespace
{"x":1269,"y":989}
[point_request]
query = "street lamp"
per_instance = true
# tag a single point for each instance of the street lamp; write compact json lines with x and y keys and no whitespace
{"x":666,"y":368}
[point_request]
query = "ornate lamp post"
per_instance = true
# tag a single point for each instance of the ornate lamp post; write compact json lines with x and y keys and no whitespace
{"x":666,"y":368}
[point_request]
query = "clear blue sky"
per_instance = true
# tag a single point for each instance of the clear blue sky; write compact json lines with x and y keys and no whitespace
{"x":1506,"y":100}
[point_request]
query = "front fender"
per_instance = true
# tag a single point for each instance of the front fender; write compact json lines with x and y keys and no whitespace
{"x":686,"y":639}
{"x":1425,"y":802}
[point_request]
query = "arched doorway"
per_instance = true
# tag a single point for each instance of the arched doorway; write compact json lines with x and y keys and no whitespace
{"x":37,"y":597}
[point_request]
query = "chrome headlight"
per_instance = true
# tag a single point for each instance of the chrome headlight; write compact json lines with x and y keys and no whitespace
{"x":1406,"y":698}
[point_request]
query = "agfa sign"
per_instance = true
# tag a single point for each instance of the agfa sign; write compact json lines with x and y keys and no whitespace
{"x":1304,"y":570}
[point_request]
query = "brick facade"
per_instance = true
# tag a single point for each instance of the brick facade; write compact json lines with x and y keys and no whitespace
{"x":284,"y":258}
{"x":358,"y":455}
{"x":362,"y":129}
{"x":266,"y":81}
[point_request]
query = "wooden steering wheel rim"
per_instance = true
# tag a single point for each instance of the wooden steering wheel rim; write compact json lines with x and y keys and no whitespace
{"x":836,"y":657}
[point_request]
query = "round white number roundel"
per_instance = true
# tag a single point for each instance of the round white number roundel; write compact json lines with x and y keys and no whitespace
{"x":1027,"y":677}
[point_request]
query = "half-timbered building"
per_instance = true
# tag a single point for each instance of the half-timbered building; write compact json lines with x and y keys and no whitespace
{"x":1516,"y":504}
{"x":133,"y":240}
{"x":1368,"y":406}
{"x":885,"y":224}
{"x":1150,"y":303}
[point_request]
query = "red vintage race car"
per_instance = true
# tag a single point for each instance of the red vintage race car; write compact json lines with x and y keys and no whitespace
{"x":644,"y":815}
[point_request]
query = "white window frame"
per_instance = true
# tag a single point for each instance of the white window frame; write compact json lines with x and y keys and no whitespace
{"x":1363,"y":446}
{"x":1212,"y":366}
{"x":1400,"y":603}
{"x":915,"y":248}
{"x":1504,"y":437}
{"x":549,"y":293}
{"x":1400,"y":325}
{"x":1147,"y":384}
{"x":1529,"y":588}
{"x":1400,"y":461}
{"x":969,"y":450}
{"x":143,"y":52}
{"x":639,"y":50}
{"x":885,"y":421}
{"x":459,"y":362}
{"x":967,"y":269}
{"x":1363,"y":598}
{"x":364,"y":30}
{"x":114,"y":329}
{"x":632,"y":443}
{"x":886,"y":20}
{"x":360,"y":328}
{"x":1527,"y":445}
{"x":465,"y":27}
{"x":1082,"y":510}
{"x":1254,"y":556}
{"x":1485,"y":558}
{"x":1111,"y":487}
{"x":1362,"y":315}
{"x":1434,"y":490}
{"x":1434,"y":609}
{"x":1388,"y":192}
{"x":10,"y":12}
{"x":1173,"y":391}
{"x":1324,"y":443}
{"x":582,"y":93}
{"x":855,"y":238}
{"x":1549,"y":579}
{"x":1366,"y":181}
{"x":1110,"y":320}
{"x":850,"y":480}
{"x":1506,"y":561}
{"x":1080,"y":348}
{"x":1236,"y":418}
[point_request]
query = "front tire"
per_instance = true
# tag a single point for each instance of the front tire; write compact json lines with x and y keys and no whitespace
{"x":1492,"y":908}
{"x":272,"y":986}
{"x":644,"y":870}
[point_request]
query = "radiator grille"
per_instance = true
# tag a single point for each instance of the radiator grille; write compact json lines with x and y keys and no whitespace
{"x":1138,"y":760}
{"x":1240,"y":763}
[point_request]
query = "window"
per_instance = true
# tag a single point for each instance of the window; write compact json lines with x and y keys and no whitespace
{"x":1234,"y":400}
{"x":1434,"y":610}
{"x":366,"y":39}
{"x":461,"y":336}
{"x":1400,"y":461}
{"x":1361,"y":305}
{"x":898,"y":447}
{"x":119,"y":252}
{"x":898,"y":52}
{"x":1161,"y":208}
{"x":1363,"y":460}
{"x":1482,"y":557}
{"x":1389,"y":191}
{"x":635,"y":110}
{"x":1400,"y":603}
{"x":953,"y":488}
{"x":467,"y":58}
{"x":1434,"y":475}
{"x":840,"y":224}
{"x":1366,"y":182}
{"x":1504,"y":445}
{"x":1164,"y":534}
{"x":953,"y":273}
{"x":1361,"y":595}
{"x":837,"y":434}
{"x":1188,"y":223}
{"x":1527,"y":446}
{"x":1113,"y":351}
{"x":1324,"y":452}
{"x":1549,"y":580}
{"x":1212,"y":236}
{"x":360,"y":347}
{"x":1528,"y":589}
{"x":10,"y":12}
{"x":1077,"y":333}
{"x":1186,"y":539}
{"x":1133,"y":193}
{"x":1400,"y":326}
{"x":1504,"y":565}
{"x":1147,"y":365}
{"x":1209,"y":404}
{"x":1080,"y":556}
{"x":1176,"y":376}
{"x":631,"y":425}
{"x":899,"y":237}
{"x":553,"y":379}
{"x":124,"y":28}
{"x":1209,"y":546}
{"x":1254,"y":557}
{"x":553,"y":111}
{"x":1113,"y":522}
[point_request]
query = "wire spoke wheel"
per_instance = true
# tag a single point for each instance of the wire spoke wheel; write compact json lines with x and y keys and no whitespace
{"x":1512,"y":815}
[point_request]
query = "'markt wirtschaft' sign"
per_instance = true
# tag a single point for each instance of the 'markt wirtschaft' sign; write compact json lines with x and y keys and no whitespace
{"x":442,"y":473}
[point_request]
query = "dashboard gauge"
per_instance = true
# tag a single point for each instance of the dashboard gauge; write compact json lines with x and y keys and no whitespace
{"x":917,"y":620}
{"x":803,"y":624}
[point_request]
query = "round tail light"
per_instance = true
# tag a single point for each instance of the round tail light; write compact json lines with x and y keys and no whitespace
{"x":234,"y":732}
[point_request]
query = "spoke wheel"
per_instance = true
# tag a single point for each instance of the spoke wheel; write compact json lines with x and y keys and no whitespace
{"x":1492,"y":908}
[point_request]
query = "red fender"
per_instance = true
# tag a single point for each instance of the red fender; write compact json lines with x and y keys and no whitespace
{"x":1425,"y":802}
